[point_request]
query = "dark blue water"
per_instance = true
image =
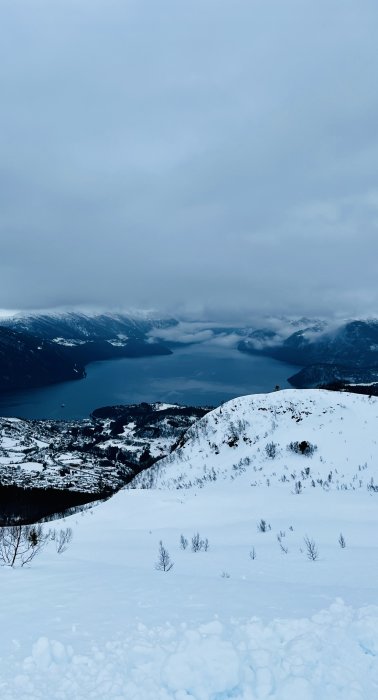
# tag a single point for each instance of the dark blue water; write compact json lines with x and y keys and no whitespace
{"x":197,"y":375}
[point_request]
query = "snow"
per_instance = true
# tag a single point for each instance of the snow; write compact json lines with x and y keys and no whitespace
{"x":212,"y":661}
{"x":117,"y":343}
{"x":231,"y":442}
{"x":365,"y":383}
{"x":68,"y":342}
{"x":101,"y":622}
{"x":160,"y":406}
{"x":104,"y":623}
{"x":31,"y":467}
{"x":54,"y":443}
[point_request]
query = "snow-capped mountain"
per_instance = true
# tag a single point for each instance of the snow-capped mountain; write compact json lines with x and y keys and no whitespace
{"x":293,"y":439}
{"x":82,"y":327}
{"x":350,"y":343}
{"x":36,"y":350}
{"x":338,"y":349}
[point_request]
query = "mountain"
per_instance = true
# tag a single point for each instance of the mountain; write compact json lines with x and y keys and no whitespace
{"x":80,"y":327}
{"x":90,"y":338}
{"x":292,"y":439}
{"x":353,"y":344}
{"x":329,"y":354}
{"x":27,"y":361}
{"x":324,"y":375}
{"x":44,"y":349}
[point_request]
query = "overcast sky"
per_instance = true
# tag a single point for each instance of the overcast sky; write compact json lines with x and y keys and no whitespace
{"x":189,"y":156}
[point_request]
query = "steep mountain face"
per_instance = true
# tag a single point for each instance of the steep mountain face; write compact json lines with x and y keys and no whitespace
{"x":82,"y":327}
{"x":354,"y":344}
{"x":314,"y":376}
{"x":292,"y":439}
{"x":41,"y":459}
{"x":329,"y":355}
{"x":27,"y":361}
{"x":43,"y":349}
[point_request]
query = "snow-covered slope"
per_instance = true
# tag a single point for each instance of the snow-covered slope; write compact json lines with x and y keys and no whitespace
{"x":295,"y":439}
{"x":100,"y":621}
{"x":248,"y":617}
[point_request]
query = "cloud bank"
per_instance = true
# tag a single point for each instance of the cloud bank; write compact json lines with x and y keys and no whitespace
{"x":189,"y":156}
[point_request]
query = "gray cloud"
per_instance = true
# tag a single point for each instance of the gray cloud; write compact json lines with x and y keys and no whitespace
{"x":189,"y":156}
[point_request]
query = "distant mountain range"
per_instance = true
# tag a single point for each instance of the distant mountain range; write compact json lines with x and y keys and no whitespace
{"x":347,"y":354}
{"x":41,"y":349}
{"x":36,"y":350}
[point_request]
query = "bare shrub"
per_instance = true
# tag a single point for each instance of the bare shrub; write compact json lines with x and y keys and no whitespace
{"x":263,"y":526}
{"x":19,"y":544}
{"x":342,"y":542}
{"x":164,"y":562}
{"x":312,"y":552}
{"x":183,"y":542}
{"x":302,"y":448}
{"x":62,"y":539}
{"x":252,"y":553}
{"x":271,"y":450}
{"x":198,"y":544}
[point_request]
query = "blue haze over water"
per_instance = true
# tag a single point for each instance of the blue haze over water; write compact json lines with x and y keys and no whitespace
{"x":200,"y":375}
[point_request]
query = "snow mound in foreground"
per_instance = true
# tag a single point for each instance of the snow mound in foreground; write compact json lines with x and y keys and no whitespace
{"x":332,"y":656}
{"x":294,"y":438}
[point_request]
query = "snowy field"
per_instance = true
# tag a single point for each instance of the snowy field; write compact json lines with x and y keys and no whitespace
{"x":100,"y":621}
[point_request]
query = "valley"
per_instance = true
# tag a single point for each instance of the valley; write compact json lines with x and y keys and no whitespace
{"x":47,"y":467}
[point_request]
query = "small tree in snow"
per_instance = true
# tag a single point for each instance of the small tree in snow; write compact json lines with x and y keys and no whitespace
{"x":19,"y":544}
{"x":271,"y":450}
{"x":183,"y":542}
{"x":164,"y":562}
{"x":263,"y":526}
{"x":62,"y":539}
{"x":342,"y":542}
{"x":311,"y":549}
{"x":199,"y":544}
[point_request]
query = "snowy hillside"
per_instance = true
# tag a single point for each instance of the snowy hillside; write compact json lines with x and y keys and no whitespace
{"x":294,"y":439}
{"x":245,"y":611}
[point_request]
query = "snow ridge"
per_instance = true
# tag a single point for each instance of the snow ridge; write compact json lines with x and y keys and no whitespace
{"x":298,"y":439}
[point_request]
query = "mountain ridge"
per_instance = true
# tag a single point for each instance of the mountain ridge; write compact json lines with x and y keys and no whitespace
{"x":296,"y":439}
{"x":44,"y":349}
